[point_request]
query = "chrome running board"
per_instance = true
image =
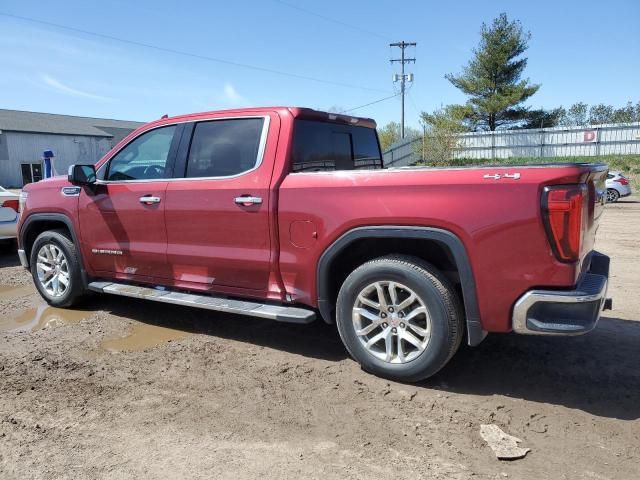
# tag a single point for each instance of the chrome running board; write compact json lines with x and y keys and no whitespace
{"x":280,"y":313}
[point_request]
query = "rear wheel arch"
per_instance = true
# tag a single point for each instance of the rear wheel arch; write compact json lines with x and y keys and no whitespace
{"x":448,"y":243}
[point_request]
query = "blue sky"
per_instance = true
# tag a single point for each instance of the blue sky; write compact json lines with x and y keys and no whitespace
{"x":580,"y":51}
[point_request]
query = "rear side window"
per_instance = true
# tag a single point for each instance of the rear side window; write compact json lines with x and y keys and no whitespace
{"x":323,"y":146}
{"x":223,"y":148}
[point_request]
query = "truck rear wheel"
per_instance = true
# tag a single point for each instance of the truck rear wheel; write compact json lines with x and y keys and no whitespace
{"x":56,"y":269}
{"x":400,"y":318}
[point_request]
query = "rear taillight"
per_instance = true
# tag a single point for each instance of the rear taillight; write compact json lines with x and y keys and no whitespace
{"x":564,"y":213}
{"x":621,"y":181}
{"x":11,"y":204}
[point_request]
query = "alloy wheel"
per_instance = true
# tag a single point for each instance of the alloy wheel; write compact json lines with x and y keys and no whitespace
{"x":52,"y":269}
{"x":391,"y":322}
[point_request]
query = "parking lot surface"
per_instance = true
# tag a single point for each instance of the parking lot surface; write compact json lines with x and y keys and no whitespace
{"x":129,"y":389}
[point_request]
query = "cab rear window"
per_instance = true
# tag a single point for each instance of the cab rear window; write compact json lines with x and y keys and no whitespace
{"x":324,"y":146}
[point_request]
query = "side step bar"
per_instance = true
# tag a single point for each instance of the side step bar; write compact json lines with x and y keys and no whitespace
{"x":280,"y":313}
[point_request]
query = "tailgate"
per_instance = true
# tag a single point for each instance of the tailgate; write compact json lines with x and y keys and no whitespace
{"x":597,"y":194}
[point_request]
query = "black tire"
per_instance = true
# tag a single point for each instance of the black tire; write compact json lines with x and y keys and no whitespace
{"x":612,"y":195}
{"x":75,"y":290}
{"x":435,"y":292}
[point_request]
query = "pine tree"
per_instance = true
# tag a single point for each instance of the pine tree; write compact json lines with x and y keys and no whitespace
{"x":492,"y":79}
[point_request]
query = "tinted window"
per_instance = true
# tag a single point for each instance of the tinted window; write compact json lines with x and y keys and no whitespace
{"x":222,"y":148}
{"x":321,"y":146}
{"x":366,"y":151}
{"x":145,"y":158}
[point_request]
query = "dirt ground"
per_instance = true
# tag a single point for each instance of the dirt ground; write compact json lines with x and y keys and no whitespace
{"x":129,"y":389}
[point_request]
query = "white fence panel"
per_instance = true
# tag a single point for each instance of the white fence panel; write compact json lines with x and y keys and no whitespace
{"x":596,"y":140}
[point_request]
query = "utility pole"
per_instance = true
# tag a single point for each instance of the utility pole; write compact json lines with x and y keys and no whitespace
{"x":402,"y":77}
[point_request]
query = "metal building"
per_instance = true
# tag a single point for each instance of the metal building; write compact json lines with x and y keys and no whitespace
{"x":25,"y":135}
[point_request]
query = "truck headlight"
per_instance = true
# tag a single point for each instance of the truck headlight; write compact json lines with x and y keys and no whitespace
{"x":22,"y":201}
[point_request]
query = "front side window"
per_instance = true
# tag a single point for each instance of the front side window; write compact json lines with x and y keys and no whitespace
{"x":223,"y":148}
{"x":145,"y":158}
{"x":325,"y":146}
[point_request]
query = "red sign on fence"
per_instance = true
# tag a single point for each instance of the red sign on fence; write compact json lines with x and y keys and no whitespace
{"x":590,"y":136}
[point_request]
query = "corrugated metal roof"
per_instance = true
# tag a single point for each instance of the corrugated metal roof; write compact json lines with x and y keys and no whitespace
{"x":20,"y":121}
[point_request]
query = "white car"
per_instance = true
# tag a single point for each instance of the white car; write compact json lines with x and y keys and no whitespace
{"x":617,"y":186}
{"x":9,"y":202}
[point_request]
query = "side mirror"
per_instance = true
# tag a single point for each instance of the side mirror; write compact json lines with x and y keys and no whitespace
{"x":82,"y":174}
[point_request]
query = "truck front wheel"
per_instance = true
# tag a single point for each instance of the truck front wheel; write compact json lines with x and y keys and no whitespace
{"x":399,"y":317}
{"x":56,"y":269}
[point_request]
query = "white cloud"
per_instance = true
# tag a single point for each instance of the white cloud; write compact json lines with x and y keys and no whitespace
{"x":62,"y":88}
{"x":231,"y":95}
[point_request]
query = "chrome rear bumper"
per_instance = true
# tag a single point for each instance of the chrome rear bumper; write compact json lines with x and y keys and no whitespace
{"x":565,"y":312}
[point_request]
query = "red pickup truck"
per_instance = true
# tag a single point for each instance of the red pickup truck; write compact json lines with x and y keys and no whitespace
{"x":288,"y":214}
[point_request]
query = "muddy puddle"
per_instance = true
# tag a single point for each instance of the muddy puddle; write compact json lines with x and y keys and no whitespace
{"x":41,"y":317}
{"x":141,"y":337}
{"x":10,"y":292}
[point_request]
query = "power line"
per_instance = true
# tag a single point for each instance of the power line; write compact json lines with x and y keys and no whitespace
{"x":402,"y":77}
{"x":413,"y":103}
{"x":371,"y":103}
{"x":189,"y":54}
{"x":333,"y":20}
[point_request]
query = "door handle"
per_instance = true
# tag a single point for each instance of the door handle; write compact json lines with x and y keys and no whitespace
{"x":248,"y":200}
{"x":149,"y":200}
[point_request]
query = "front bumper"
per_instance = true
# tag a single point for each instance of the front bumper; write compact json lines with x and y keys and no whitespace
{"x":24,"y":261}
{"x":565,"y":312}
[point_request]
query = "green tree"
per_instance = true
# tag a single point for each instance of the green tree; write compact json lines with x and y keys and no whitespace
{"x":450,"y":117}
{"x":581,"y":115}
{"x":601,"y":113}
{"x":441,"y":130}
{"x":577,"y":115}
{"x":628,"y":113}
{"x":493,"y":78}
{"x":390,"y":134}
{"x":542,"y":118}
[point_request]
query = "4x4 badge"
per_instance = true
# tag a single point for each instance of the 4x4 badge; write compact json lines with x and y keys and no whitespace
{"x":498,"y":176}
